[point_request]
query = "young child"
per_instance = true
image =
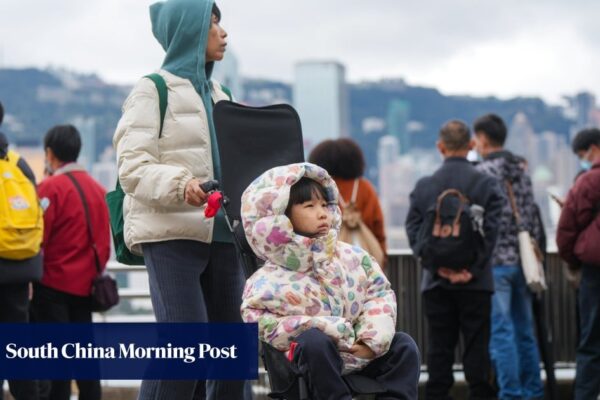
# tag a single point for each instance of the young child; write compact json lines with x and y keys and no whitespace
{"x":325,"y":302}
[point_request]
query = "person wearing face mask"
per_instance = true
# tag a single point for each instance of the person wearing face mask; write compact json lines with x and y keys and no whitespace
{"x":62,"y":296}
{"x":193,"y":270}
{"x":577,"y":238}
{"x":513,"y":346}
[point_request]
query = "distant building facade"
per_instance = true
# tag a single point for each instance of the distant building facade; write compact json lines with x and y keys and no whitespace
{"x":227,"y":72}
{"x":321,"y":98}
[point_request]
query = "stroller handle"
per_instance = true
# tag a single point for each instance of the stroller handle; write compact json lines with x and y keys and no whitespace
{"x":209,"y":186}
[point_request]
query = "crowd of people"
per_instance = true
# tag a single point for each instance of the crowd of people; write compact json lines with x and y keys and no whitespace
{"x":48,"y":276}
{"x":487,"y":300}
{"x":322,"y":297}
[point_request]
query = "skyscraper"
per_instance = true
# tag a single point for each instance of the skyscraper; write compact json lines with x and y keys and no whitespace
{"x":397,"y":121}
{"x":87,"y":129}
{"x":321,"y":98}
{"x":227,"y":73}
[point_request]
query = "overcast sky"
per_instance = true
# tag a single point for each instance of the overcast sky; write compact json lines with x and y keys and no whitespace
{"x":505,"y":48}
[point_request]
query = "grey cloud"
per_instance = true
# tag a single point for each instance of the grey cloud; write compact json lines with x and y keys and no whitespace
{"x":113,"y":36}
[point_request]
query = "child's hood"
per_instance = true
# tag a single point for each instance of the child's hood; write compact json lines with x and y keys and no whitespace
{"x":269,"y":231}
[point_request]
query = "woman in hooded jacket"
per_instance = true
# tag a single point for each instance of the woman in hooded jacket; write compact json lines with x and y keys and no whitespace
{"x":324,"y":302}
{"x":193,"y":270}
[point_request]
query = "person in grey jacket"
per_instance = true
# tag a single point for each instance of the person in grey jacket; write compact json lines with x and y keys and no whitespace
{"x":457,"y":301}
{"x":513,"y":346}
{"x":15,"y":279}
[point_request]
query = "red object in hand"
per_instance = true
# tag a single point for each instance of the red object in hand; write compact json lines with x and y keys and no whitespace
{"x":213,"y":204}
{"x":290,"y":354}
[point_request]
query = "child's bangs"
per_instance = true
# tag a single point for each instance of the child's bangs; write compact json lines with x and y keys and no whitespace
{"x":305,"y":190}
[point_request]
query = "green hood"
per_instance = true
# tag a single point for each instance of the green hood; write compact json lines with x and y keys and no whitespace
{"x":181,"y":27}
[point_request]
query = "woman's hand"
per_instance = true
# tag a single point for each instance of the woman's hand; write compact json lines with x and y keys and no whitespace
{"x":193,"y":195}
{"x":361,"y":350}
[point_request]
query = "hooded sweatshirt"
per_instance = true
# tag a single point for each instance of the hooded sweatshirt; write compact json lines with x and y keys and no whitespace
{"x":311,"y":282}
{"x":507,"y":167}
{"x":154,"y":171}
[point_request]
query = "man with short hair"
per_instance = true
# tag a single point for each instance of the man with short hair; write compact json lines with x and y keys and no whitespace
{"x":578,"y":237}
{"x":513,"y":346}
{"x":69,"y":255}
{"x":457,"y":301}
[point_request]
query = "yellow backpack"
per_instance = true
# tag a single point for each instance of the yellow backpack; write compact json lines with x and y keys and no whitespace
{"x":21,"y":217}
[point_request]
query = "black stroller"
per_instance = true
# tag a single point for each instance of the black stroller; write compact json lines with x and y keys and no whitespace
{"x":251,"y":141}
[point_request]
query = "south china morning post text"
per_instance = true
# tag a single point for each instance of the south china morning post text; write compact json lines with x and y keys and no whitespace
{"x":70,"y":351}
{"x":129,"y":351}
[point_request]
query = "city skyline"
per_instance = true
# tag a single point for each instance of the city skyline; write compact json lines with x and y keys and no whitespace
{"x":538,"y":48}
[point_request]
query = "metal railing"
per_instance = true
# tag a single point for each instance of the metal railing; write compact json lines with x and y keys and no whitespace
{"x":405,"y":277}
{"x":559,"y":305}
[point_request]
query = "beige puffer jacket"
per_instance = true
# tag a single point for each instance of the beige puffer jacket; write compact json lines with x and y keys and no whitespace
{"x":154,"y":172}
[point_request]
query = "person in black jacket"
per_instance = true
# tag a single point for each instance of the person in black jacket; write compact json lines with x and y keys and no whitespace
{"x":457,"y":300}
{"x":15,"y":277}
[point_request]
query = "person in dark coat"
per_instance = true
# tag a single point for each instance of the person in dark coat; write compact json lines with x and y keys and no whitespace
{"x":15,"y":279}
{"x":457,"y":301}
{"x":578,"y":237}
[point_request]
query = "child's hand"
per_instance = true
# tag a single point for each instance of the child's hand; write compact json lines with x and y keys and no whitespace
{"x":361,"y":350}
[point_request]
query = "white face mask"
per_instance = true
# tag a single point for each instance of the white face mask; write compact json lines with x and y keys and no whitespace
{"x":48,"y":167}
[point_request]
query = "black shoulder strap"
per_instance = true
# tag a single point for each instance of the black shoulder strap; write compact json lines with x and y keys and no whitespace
{"x":87,"y":217}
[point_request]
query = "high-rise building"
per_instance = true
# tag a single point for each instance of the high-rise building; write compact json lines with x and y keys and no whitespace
{"x":87,"y":129}
{"x":522,"y":139}
{"x":397,"y":122}
{"x":321,"y":99}
{"x":227,"y":73}
{"x":583,"y":105}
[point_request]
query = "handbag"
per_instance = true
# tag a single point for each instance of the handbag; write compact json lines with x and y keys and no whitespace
{"x":104,"y":293}
{"x":354,"y":231}
{"x":531,"y":256}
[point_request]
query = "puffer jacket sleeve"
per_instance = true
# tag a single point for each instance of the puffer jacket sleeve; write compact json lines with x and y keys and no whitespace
{"x":141,"y":173}
{"x":274,"y":327}
{"x":579,"y":211}
{"x":376,"y":325}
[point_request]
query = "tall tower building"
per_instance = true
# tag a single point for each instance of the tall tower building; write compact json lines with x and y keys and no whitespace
{"x":321,"y":98}
{"x":397,"y":121}
{"x":87,"y":129}
{"x":227,"y":73}
{"x":522,"y":139}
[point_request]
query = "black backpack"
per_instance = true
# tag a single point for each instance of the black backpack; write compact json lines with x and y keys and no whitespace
{"x":451,"y":235}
